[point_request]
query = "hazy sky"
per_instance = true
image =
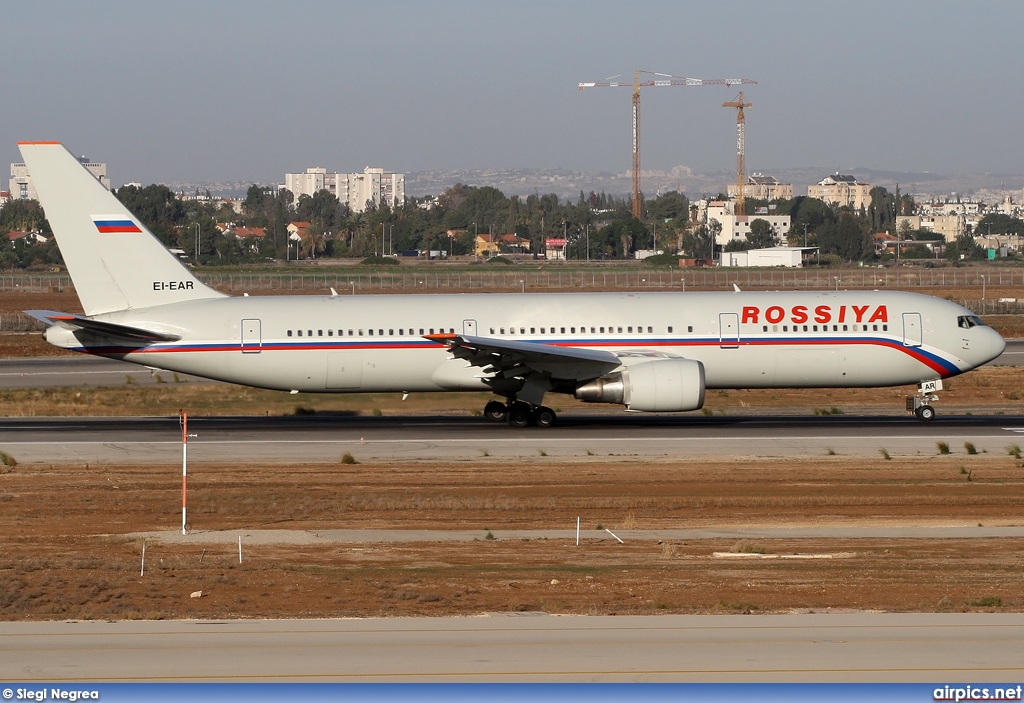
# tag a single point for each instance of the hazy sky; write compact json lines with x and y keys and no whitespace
{"x":246,"y":91}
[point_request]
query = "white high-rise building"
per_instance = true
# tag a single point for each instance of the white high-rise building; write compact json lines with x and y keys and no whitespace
{"x":353,"y":189}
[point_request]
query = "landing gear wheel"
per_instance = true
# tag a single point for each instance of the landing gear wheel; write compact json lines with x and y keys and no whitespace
{"x":925,"y":413}
{"x":519,"y":415}
{"x":544,"y":417}
{"x":495,"y":410}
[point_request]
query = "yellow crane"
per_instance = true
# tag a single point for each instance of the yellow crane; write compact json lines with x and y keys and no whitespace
{"x":659,"y":80}
{"x":741,"y":169}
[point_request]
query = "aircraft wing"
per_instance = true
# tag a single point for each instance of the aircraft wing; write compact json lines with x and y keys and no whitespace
{"x":509,"y":358}
{"x":110,"y":329}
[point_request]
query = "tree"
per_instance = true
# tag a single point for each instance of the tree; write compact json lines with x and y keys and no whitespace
{"x":158,"y":207}
{"x":964,"y":248}
{"x":999,"y":223}
{"x":761,"y":235}
{"x":668,"y":206}
{"x":848,"y":238}
{"x":699,"y":242}
{"x":314,"y":242}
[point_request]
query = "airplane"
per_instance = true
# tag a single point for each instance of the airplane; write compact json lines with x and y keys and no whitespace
{"x":649,"y":352}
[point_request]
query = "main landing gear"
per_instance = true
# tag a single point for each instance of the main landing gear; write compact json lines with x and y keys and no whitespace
{"x":519,"y":414}
{"x":921,"y":404}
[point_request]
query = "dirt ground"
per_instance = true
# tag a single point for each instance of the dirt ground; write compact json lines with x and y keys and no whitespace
{"x":70,"y":548}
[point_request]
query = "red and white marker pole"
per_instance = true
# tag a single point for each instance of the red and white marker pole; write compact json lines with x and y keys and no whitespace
{"x":183,"y":417}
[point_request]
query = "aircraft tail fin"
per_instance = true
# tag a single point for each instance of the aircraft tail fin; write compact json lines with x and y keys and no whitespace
{"x":114,"y":261}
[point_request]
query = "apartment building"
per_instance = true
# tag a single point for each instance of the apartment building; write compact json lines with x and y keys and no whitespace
{"x":842,"y":191}
{"x":762,"y":187}
{"x":353,"y":189}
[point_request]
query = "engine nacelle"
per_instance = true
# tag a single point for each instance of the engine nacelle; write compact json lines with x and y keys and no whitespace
{"x":659,"y":385}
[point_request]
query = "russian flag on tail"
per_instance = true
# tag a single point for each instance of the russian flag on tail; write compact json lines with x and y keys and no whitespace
{"x":115,"y":224}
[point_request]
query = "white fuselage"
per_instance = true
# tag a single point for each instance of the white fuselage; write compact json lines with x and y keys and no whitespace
{"x":374,"y":343}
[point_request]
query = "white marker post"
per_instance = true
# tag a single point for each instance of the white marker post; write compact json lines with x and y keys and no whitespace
{"x":577,"y":532}
{"x":183,"y":419}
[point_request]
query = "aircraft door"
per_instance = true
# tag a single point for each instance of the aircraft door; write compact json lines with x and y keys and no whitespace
{"x":469,"y":328}
{"x":912,"y":329}
{"x":252,"y":337}
{"x":728,"y":330}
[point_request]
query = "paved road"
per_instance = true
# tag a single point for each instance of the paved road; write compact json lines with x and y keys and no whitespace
{"x":82,"y":370}
{"x":625,"y":436}
{"x":797,"y":647}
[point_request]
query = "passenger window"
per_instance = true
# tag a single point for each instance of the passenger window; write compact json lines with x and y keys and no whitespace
{"x":602,"y":330}
{"x":785,"y":328}
{"x":689,"y":328}
{"x":503,"y":330}
{"x":391,"y":333}
{"x":492,"y":330}
{"x":360,"y":333}
{"x":630,"y":330}
{"x":310,"y":333}
{"x":563,"y":330}
{"x":572,"y":330}
{"x":874,"y":328}
{"x":669,"y":329}
{"x":885,"y":328}
{"x":300,"y":333}
{"x":319,"y":333}
{"x":431,"y":330}
{"x":542,"y":330}
{"x":844,"y":328}
{"x":533,"y":330}
{"x":764,"y":328}
{"x":350,"y":333}
{"x":330,"y":333}
{"x":371,"y":332}
{"x":805,"y":328}
{"x":289,"y":333}
{"x":620,"y":330}
{"x":650,"y":330}
{"x":592,"y":330}
{"x":815,"y":328}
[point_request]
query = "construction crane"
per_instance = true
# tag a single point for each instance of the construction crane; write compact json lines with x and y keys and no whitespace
{"x":741,"y":171}
{"x":662,"y":79}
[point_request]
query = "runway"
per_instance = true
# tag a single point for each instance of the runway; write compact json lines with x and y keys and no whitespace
{"x":322,"y":438}
{"x":812,"y":647}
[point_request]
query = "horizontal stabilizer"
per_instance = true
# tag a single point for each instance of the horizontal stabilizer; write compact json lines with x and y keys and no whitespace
{"x":111,"y":329}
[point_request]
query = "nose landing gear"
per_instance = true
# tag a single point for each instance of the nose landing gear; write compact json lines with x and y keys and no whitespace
{"x":921,"y":404}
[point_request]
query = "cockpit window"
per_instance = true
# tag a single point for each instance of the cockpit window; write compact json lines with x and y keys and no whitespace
{"x":968,"y":321}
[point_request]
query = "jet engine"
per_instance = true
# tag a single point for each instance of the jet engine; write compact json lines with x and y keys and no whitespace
{"x":659,"y":385}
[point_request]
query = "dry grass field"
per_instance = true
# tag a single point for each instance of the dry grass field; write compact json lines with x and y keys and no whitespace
{"x":71,"y":550}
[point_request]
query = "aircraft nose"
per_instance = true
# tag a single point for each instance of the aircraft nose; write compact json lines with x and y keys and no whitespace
{"x":993,"y":343}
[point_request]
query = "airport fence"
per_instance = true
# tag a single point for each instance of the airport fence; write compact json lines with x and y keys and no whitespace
{"x":639,"y":279}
